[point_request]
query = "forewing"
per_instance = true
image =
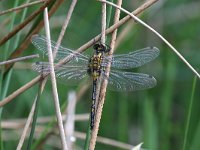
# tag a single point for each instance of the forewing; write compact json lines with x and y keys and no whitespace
{"x":71,"y":74}
{"x":40,"y":43}
{"x":129,"y":81}
{"x":133,"y":59}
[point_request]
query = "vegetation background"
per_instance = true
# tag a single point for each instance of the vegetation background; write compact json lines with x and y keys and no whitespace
{"x":156,"y":117}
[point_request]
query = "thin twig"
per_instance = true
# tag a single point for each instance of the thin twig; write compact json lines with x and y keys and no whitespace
{"x":160,"y":36}
{"x":23,"y":24}
{"x":106,"y":141}
{"x":18,"y":123}
{"x":53,"y":81}
{"x":21,"y":7}
{"x":81,"y":49}
{"x":64,"y":27}
{"x":19,"y":91}
{"x":19,"y":59}
{"x":103,"y":23}
{"x":28,"y":122}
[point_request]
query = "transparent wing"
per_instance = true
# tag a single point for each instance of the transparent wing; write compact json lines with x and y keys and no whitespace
{"x":129,"y":81}
{"x":72,"y":74}
{"x":40,"y":43}
{"x":133,"y":59}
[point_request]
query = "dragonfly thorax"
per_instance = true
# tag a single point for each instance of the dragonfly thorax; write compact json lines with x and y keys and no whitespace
{"x":94,"y":65}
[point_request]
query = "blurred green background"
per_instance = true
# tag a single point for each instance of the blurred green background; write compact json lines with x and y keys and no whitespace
{"x":156,"y":117}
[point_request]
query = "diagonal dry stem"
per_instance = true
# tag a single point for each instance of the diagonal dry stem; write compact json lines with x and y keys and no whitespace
{"x":19,"y":59}
{"x":21,"y":7}
{"x":26,"y":127}
{"x":53,"y":82}
{"x":81,"y":49}
{"x":64,"y":27}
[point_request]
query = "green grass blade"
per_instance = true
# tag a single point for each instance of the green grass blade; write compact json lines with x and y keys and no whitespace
{"x":189,"y":113}
{"x":109,"y":14}
{"x":34,"y":117}
{"x":166,"y":103}
{"x":150,"y":125}
{"x":123,"y":118}
{"x":88,"y":136}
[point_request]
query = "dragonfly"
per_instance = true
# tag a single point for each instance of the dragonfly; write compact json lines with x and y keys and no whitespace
{"x":83,"y":66}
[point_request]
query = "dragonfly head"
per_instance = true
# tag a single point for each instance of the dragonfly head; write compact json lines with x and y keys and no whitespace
{"x":99,"y":48}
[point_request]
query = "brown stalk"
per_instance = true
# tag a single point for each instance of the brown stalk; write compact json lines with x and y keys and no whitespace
{"x":19,"y":59}
{"x":53,"y":83}
{"x":21,"y":7}
{"x":107,"y":141}
{"x":104,"y":84}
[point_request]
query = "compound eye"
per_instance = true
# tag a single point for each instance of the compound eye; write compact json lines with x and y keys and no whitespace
{"x":96,"y":46}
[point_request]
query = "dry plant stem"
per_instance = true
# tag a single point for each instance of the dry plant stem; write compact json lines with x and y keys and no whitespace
{"x":19,"y":123}
{"x":103,"y":24}
{"x":98,"y":117}
{"x":81,"y":49}
{"x":53,"y":81}
{"x":160,"y":36}
{"x":70,"y":119}
{"x":19,"y":59}
{"x":28,"y":122}
{"x":19,"y":91}
{"x":69,"y":14}
{"x":21,"y":7}
{"x":106,"y":141}
{"x":23,"y":24}
{"x":104,"y":85}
